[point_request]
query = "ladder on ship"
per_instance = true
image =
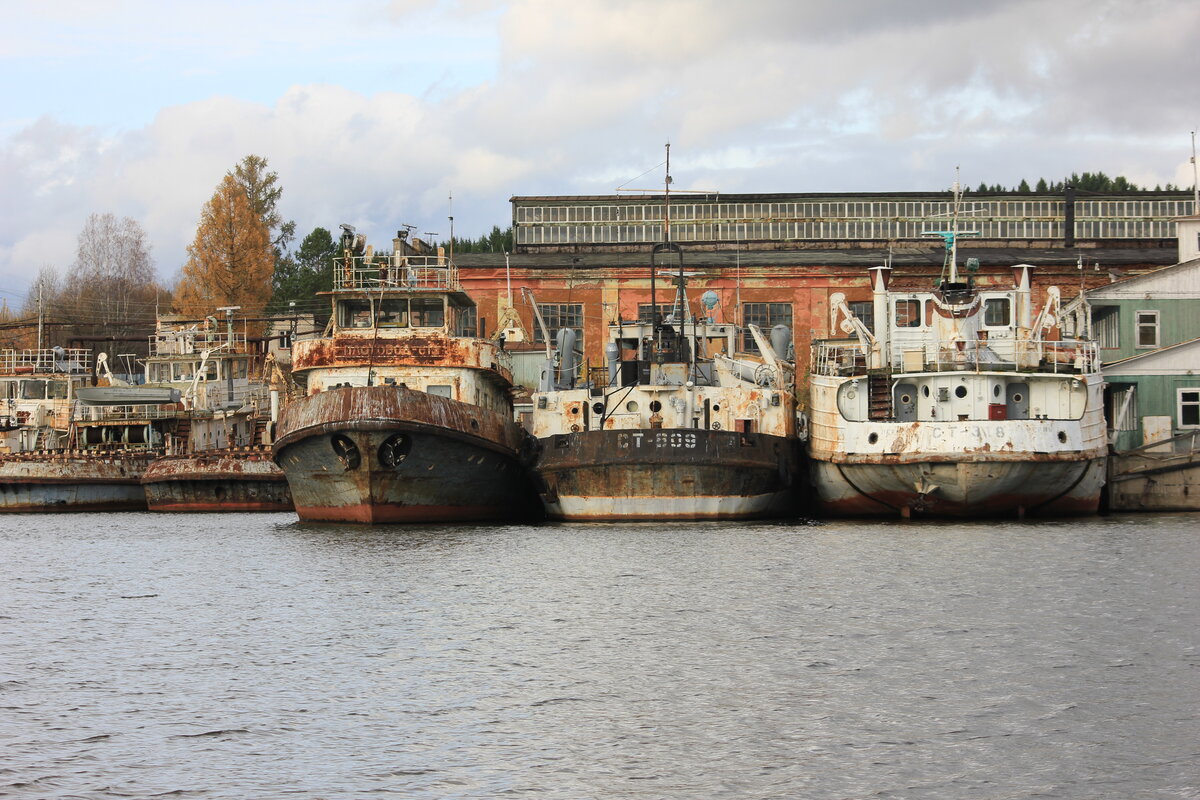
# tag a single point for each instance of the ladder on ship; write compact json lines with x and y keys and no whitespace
{"x":879,"y":396}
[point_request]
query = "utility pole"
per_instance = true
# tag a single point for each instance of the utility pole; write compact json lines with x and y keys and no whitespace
{"x":1195,"y":184}
{"x":39,"y":344}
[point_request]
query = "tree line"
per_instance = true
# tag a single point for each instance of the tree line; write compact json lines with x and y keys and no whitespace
{"x":1096,"y":182}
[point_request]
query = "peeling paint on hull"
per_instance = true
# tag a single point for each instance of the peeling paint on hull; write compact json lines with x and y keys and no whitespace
{"x":685,"y":474}
{"x":960,"y":489}
{"x":449,"y":461}
{"x":216,"y":481}
{"x":60,"y":482}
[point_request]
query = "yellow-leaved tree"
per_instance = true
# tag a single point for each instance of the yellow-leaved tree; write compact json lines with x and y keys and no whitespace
{"x":231,"y":260}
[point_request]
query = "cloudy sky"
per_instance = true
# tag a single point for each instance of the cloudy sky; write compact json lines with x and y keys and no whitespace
{"x":375,"y":113}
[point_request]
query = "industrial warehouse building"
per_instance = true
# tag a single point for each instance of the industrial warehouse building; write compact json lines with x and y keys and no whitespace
{"x":774,"y":259}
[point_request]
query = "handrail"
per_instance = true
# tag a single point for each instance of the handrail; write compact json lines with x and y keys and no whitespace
{"x":849,"y":357}
{"x":415,"y":273}
{"x":73,"y":361}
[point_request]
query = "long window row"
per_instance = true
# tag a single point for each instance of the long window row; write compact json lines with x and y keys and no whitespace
{"x":1005,"y":219}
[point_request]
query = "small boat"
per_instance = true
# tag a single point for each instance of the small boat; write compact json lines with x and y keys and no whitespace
{"x":127,"y":395}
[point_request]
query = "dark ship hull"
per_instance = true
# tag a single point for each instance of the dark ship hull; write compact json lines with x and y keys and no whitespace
{"x":390,"y":454}
{"x":72,"y":481}
{"x":225,"y":480}
{"x":671,"y":474}
{"x":969,"y":488}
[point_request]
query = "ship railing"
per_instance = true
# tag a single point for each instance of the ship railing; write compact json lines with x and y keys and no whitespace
{"x":849,"y":357}
{"x":70,"y":361}
{"x":838,"y":357}
{"x":123,"y":413}
{"x":418,"y":273}
{"x":193,"y":341}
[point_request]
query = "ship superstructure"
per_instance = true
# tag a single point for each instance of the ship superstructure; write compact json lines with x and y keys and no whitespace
{"x":680,"y":426}
{"x":956,"y":401}
{"x":407,"y":412}
{"x":218,"y":456}
{"x":37,"y":390}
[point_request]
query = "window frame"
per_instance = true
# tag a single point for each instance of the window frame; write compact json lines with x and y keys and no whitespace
{"x":554,"y":315}
{"x":919,"y":316}
{"x":1180,"y":404}
{"x":1137,"y":329}
{"x":1008,"y":312}
{"x":770,"y":316}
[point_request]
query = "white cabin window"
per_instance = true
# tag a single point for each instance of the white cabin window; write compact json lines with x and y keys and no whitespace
{"x":907,"y":313}
{"x":1147,"y":329}
{"x":1188,"y":412}
{"x":393,"y":313}
{"x":427,"y":312}
{"x":354,"y":313}
{"x":1106,"y":324}
{"x":997,"y":312}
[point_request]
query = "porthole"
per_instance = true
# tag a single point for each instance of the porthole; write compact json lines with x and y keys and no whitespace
{"x":474,"y":424}
{"x":346,"y":451}
{"x":716,"y":406}
{"x":905,"y":399}
{"x":996,"y":390}
{"x":394,"y":450}
{"x":598,"y":408}
{"x":655,"y":406}
{"x":925,"y":391}
{"x":1018,"y":397}
{"x":960,"y":392}
{"x":631,"y":406}
{"x":574,"y":409}
{"x":873,"y":438}
{"x":1062,"y":436}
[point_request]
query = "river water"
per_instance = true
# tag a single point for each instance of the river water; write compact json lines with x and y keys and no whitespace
{"x":228,"y":656}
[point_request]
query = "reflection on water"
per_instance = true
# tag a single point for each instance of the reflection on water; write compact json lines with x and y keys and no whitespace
{"x":214,"y":656}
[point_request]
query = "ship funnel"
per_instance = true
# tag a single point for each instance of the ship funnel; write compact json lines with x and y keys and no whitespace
{"x":612,"y":352}
{"x":565,"y":344}
{"x":781,"y":341}
{"x":881,"y":276}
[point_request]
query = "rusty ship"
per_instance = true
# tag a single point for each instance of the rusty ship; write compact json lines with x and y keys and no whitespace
{"x":218,"y":457}
{"x":78,"y":447}
{"x":406,"y":413}
{"x":955,"y":402}
{"x":684,"y":422}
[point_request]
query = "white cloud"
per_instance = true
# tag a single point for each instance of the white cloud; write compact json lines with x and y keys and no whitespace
{"x":381,"y":125}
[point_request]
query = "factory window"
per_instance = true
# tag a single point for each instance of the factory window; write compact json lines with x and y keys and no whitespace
{"x":664,"y":312}
{"x":865,"y":311}
{"x":765,"y":316}
{"x":1189,"y":408}
{"x":1147,"y":329}
{"x":561,"y":315}
{"x":997,"y":312}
